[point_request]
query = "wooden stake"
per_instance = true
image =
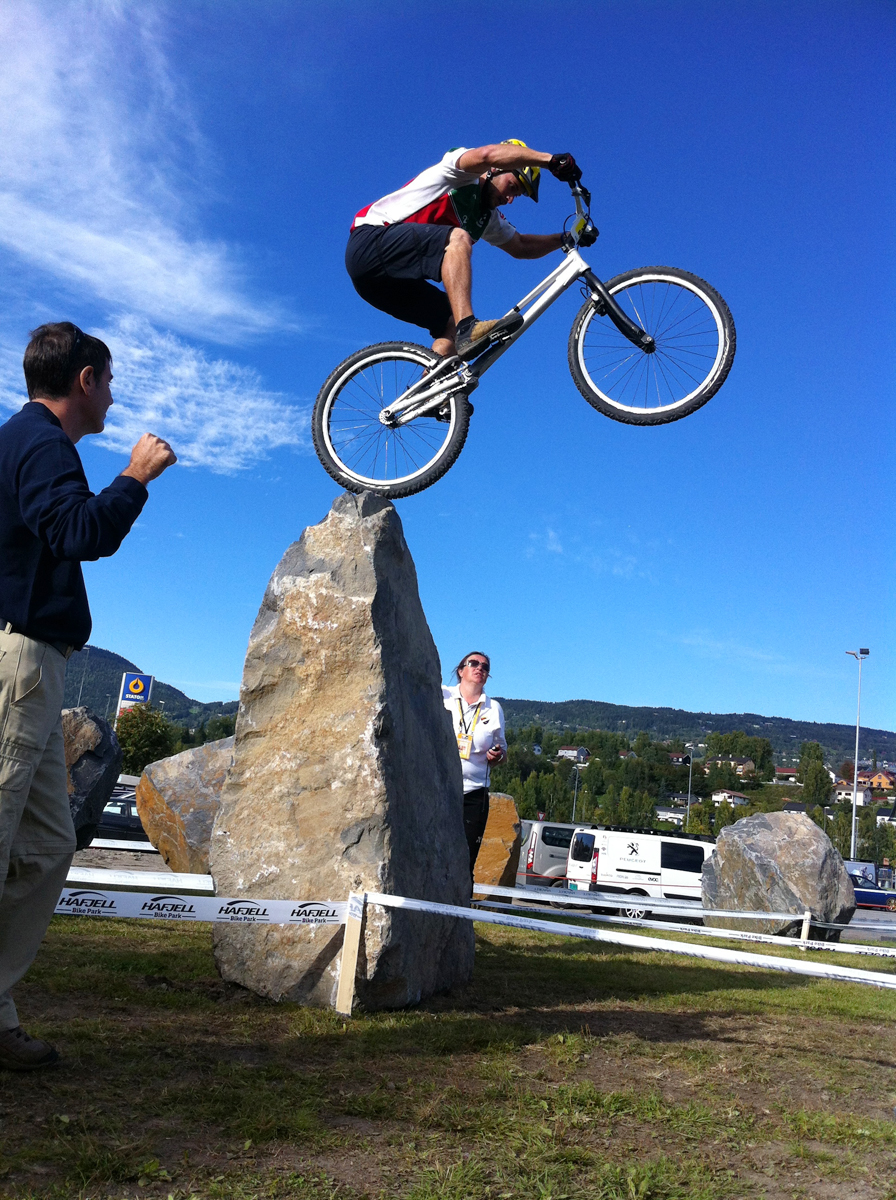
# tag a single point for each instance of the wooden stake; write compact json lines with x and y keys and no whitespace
{"x":807,"y":917}
{"x":351,"y":943}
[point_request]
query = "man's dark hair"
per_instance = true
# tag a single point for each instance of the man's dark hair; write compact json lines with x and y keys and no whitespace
{"x":56,"y":356}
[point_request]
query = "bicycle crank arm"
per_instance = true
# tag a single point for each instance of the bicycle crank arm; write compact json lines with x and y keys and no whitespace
{"x":607,"y":306}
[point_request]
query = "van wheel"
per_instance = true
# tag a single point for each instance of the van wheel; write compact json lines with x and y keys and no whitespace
{"x":561,"y":883}
{"x":634,"y":913}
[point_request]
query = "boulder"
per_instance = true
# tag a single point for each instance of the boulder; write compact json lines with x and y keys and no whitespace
{"x":777,"y":862}
{"x":178,"y":799}
{"x":499,"y":854}
{"x":93,"y":759}
{"x":345,"y":773}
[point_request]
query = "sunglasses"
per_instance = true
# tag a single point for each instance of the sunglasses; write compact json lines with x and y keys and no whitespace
{"x":477,"y":663}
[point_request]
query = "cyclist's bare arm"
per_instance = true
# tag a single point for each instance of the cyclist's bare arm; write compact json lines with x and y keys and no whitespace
{"x":532,"y":245}
{"x":480,"y":160}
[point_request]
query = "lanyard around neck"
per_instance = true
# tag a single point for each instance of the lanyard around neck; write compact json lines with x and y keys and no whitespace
{"x":468,"y":732}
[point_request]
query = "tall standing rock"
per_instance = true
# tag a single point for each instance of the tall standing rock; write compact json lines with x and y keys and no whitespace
{"x":345,"y":772}
{"x":93,"y":759}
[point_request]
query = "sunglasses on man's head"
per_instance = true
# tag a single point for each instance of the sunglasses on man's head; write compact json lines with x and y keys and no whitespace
{"x":476,"y":663}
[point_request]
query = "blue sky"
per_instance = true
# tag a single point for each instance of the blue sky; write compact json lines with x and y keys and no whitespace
{"x":180,"y":179}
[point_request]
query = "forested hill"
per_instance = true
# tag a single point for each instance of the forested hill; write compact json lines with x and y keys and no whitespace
{"x":95,"y":675}
{"x":837,"y":741}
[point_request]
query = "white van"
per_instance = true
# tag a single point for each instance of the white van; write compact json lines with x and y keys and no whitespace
{"x":544,"y":853}
{"x":637,"y":863}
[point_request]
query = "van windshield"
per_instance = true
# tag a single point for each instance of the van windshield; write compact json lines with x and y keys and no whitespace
{"x":583,"y":847}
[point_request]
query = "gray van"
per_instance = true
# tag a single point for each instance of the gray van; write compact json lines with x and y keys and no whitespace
{"x":544,"y":853}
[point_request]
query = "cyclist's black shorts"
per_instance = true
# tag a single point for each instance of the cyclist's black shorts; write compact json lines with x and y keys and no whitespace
{"x":389,"y":266}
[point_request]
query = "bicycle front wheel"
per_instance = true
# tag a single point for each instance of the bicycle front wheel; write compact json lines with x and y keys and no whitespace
{"x":361,"y":452}
{"x":695,"y":342}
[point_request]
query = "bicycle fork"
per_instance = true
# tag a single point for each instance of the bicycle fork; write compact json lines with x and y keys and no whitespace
{"x":606,"y":306}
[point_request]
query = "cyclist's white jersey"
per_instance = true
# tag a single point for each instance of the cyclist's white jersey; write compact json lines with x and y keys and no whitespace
{"x":441,"y":195}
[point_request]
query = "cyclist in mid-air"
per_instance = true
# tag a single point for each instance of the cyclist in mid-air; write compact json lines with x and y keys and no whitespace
{"x":427,"y":228}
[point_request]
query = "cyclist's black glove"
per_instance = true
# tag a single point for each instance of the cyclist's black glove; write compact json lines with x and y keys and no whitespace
{"x":564,"y":168}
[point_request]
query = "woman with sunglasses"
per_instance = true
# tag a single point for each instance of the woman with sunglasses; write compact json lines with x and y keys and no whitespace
{"x":479,"y":729}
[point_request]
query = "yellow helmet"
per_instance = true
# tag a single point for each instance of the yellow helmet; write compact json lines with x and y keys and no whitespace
{"x":528,"y":176}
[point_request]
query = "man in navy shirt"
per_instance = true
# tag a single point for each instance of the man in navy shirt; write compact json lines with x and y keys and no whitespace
{"x":50,"y":522}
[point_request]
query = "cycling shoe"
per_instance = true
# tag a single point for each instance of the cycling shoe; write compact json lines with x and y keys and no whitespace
{"x":475,"y":339}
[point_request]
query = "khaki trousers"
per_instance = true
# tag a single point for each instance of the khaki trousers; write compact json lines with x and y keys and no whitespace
{"x":37,"y":837}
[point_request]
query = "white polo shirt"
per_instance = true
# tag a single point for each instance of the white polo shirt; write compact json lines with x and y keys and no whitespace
{"x":487,"y":731}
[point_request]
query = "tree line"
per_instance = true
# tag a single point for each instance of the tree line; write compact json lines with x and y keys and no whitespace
{"x":622,"y":784}
{"x":625,"y":781}
{"x":147,"y":735}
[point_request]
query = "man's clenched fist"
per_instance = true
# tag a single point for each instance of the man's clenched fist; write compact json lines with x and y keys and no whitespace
{"x":149,"y":458}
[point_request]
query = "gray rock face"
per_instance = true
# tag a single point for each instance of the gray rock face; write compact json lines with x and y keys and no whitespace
{"x":345,"y":773}
{"x":178,"y":799}
{"x":777,"y":862}
{"x":93,"y":758}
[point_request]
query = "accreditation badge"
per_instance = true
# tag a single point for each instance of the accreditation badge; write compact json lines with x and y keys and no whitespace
{"x":465,"y":745}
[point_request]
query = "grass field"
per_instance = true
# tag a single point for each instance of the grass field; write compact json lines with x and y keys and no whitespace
{"x":566,"y":1069}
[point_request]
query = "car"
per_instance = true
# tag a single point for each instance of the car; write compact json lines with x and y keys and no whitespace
{"x":544,"y":854}
{"x":872,"y":895}
{"x":120,"y":820}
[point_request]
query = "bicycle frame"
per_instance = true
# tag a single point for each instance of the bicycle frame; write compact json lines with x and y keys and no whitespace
{"x":452,"y":375}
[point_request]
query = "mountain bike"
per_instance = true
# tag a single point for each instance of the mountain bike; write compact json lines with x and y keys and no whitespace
{"x":646,"y":348}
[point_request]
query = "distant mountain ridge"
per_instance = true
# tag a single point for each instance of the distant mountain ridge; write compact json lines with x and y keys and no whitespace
{"x":95,"y":675}
{"x":785,"y":735}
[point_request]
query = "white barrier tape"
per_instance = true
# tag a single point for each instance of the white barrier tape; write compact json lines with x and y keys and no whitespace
{"x":86,"y":902}
{"x":637,"y":941}
{"x":657,"y":904}
{"x":629,"y":900}
{"x":732,"y":935}
{"x":117,"y":844}
{"x":178,"y":881}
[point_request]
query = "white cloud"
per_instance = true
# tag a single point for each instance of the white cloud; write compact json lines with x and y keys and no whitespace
{"x":99,"y":162}
{"x":215,"y":413}
{"x":544,"y":543}
{"x":734,"y":653}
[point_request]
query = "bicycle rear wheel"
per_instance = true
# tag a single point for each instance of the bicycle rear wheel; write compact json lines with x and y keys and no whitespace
{"x":363,"y":454}
{"x":695,"y":342}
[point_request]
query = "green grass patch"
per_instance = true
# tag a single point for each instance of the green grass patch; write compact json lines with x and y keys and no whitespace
{"x":566,"y":1069}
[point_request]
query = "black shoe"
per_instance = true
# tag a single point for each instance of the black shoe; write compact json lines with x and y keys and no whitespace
{"x":475,"y":339}
{"x":19,"y":1052}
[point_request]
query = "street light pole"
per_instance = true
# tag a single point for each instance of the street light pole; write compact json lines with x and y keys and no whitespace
{"x":690,"y":776}
{"x":862,"y":654}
